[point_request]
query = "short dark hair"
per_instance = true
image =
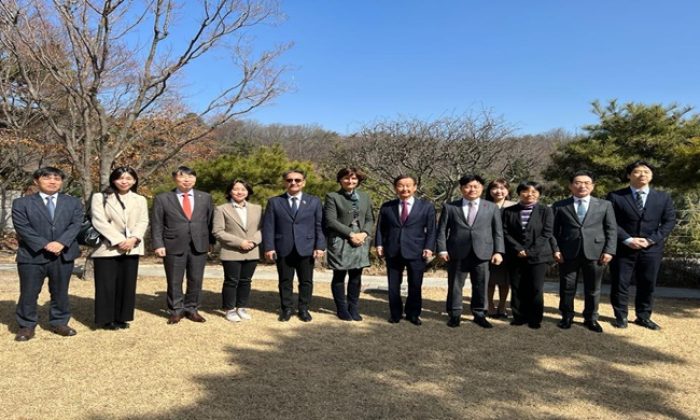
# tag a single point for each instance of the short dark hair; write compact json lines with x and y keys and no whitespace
{"x":117,"y":173}
{"x":582,"y":172}
{"x":294,"y":171}
{"x":184,"y":170}
{"x":238,"y":181}
{"x":637,"y":163}
{"x":466,"y":179}
{"x":496,"y":182}
{"x":351,"y":170}
{"x":48,"y":170}
{"x":526,"y":185}
{"x":400,"y":177}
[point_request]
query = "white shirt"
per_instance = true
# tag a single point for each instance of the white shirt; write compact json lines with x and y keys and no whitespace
{"x":44,"y":197}
{"x":465,"y":207}
{"x":635,"y":192}
{"x":409,"y":203}
{"x":583,"y":200}
{"x":289,"y":200}
{"x":242,"y":210}
{"x":190,"y":194}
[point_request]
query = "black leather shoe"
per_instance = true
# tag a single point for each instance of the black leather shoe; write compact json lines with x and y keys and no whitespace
{"x":285,"y":315}
{"x":304,"y":315}
{"x":620,"y":323}
{"x":517,"y":322}
{"x":394,"y":320}
{"x":454,"y":322}
{"x":647,"y":323}
{"x":565,"y":323}
{"x":482,"y":322}
{"x":110,"y":326}
{"x":24,"y":334}
{"x":355,"y":316}
{"x":344,"y":315}
{"x":593,"y":326}
{"x":63,"y":330}
{"x":122,"y":325}
{"x":534,"y":325}
{"x":415,"y":320}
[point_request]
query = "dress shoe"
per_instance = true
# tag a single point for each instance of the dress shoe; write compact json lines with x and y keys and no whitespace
{"x":63,"y":330}
{"x":534,"y":325}
{"x":355,"y":316}
{"x":344,"y":315}
{"x":647,"y":323}
{"x":565,"y":323}
{"x":195,"y":317}
{"x":502,"y":315}
{"x":415,"y":320}
{"x":482,"y":322}
{"x":285,"y":315}
{"x":24,"y":334}
{"x":122,"y":325}
{"x":620,"y":323}
{"x":394,"y":320}
{"x":174,"y":318}
{"x":454,"y":322}
{"x":517,"y":322}
{"x":304,"y":315}
{"x":593,"y":326}
{"x":110,"y":326}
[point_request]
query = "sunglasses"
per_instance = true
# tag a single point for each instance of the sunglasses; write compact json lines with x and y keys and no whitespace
{"x":294,"y":180}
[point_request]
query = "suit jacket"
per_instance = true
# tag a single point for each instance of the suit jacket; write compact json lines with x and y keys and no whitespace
{"x":283,"y":231}
{"x":230,"y":231}
{"x":410,"y":239}
{"x":535,"y":239}
{"x":171,"y":229}
{"x":112,"y":221}
{"x":338,"y":217}
{"x":655,"y":222}
{"x":35,"y":229}
{"x":595,"y":236}
{"x":457,"y":238}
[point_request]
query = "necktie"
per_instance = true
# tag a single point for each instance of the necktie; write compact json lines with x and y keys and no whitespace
{"x":640,"y":200}
{"x":295,"y":206}
{"x":187,"y":206}
{"x":580,"y":211}
{"x":50,"y":206}
{"x":404,"y":211}
{"x":471,"y":213}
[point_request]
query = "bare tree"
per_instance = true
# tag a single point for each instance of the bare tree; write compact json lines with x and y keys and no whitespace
{"x":100,"y":72}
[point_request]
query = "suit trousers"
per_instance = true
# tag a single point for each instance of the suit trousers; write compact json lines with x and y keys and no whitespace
{"x":238,"y":277}
{"x":568,"y":281}
{"x":527,"y":296}
{"x":192,"y":264}
{"x":304,"y":268}
{"x":351,"y":303}
{"x":457,"y":271}
{"x":31,"y":280}
{"x":115,"y":288}
{"x":644,"y":269}
{"x":414,"y":301}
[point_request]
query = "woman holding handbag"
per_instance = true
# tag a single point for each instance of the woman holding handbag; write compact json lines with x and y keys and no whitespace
{"x":120,"y":215}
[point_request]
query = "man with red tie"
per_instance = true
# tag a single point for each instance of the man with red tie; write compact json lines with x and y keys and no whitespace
{"x":406,"y":238}
{"x":181,"y":234}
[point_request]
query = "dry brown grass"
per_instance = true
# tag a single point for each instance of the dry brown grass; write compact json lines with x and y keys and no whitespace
{"x":333,"y":369}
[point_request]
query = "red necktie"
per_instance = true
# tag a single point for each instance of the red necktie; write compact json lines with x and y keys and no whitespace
{"x":187,"y":206}
{"x":404,"y":211}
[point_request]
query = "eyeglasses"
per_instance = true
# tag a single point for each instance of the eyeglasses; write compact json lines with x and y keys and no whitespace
{"x":294,"y":180}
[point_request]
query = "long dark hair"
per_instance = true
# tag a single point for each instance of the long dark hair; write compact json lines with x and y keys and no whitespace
{"x":114,"y":176}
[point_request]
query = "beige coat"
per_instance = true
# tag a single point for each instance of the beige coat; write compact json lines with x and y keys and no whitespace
{"x":229,"y":230}
{"x":113,"y":221}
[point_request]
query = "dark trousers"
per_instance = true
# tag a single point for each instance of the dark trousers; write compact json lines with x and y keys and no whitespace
{"x":115,"y":288}
{"x":351,"y":303}
{"x":527,"y":297}
{"x":457,"y":270}
{"x":31,"y":280}
{"x":568,"y":280}
{"x":176,"y":266}
{"x":304,"y":268}
{"x":238,"y":276}
{"x":644,"y":269}
{"x":414,"y":270}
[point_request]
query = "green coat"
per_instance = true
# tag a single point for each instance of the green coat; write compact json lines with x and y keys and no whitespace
{"x":339,"y":222}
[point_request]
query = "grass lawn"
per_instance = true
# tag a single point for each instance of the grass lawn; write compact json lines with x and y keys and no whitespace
{"x":333,"y":369}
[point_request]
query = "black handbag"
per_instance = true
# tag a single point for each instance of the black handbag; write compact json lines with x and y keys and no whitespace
{"x":88,"y":235}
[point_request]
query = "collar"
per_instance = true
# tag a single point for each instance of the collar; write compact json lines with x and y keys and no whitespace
{"x":410,"y":201}
{"x":179,"y":193}
{"x":298,"y":196}
{"x":465,"y":202}
{"x":45,"y":196}
{"x":586,"y":199}
{"x":239,"y":206}
{"x":635,"y":190}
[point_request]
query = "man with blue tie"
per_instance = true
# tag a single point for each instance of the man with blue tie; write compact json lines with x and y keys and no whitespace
{"x":586,"y":239}
{"x":406,"y":238}
{"x":293,"y":237}
{"x":47,"y":224}
{"x":645,"y":218}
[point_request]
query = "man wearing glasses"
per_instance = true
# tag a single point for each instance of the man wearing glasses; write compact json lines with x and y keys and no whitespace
{"x":293,"y":237}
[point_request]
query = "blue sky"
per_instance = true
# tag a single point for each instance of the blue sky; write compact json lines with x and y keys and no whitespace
{"x":538,"y":64}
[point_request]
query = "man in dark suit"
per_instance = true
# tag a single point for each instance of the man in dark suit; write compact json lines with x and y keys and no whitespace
{"x":586,"y":239}
{"x":46,"y":224}
{"x":181,"y":234}
{"x":645,"y":218}
{"x":470,"y":236}
{"x":406,"y":238}
{"x":293,"y":237}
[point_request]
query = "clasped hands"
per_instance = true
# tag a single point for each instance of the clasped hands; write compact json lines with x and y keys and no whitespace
{"x":357,"y":238}
{"x":639,"y":243}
